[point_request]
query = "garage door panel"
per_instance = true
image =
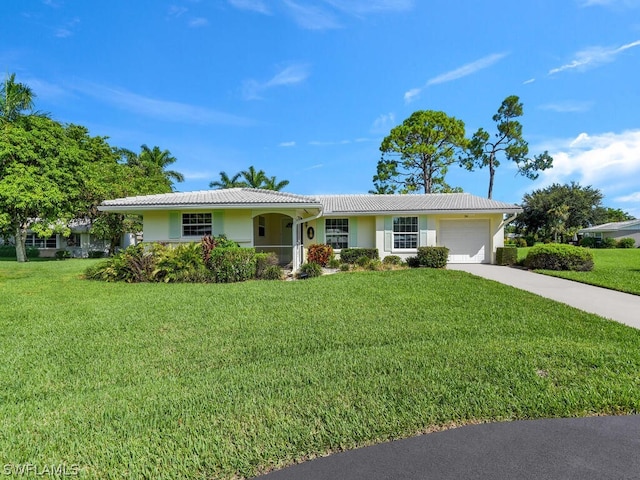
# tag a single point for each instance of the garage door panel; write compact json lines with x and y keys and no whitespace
{"x":468,"y":241}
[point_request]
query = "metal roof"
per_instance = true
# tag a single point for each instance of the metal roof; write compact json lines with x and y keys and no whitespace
{"x":330,"y":204}
{"x":614,"y":226}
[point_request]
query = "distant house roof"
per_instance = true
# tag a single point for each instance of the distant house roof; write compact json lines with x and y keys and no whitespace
{"x":329,"y":204}
{"x":613,"y":227}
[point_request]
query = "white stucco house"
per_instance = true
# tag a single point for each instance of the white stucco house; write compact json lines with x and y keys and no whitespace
{"x":471,"y":227}
{"x":615,"y":230}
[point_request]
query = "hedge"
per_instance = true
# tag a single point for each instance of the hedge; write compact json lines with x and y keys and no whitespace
{"x":507,"y":255}
{"x":555,"y":256}
{"x":433,"y":257}
{"x":351,"y":255}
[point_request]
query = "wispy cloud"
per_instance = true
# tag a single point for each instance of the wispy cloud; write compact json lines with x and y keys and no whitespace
{"x":312,"y":17}
{"x":177,"y":11}
{"x":258,"y":6}
{"x":287,"y":144}
{"x":67,"y":29}
{"x":366,"y":7}
{"x":463,"y":71}
{"x":631,"y":198}
{"x":330,"y":143}
{"x":611,"y":3}
{"x":198,"y":22}
{"x":567,"y":106}
{"x":291,"y":75}
{"x":165,"y":110}
{"x":593,"y":57}
{"x":608,"y":161}
{"x":384,"y":123}
{"x":527,"y":82}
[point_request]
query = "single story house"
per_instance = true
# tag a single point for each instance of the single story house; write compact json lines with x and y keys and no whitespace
{"x":615,"y":230}
{"x":285,"y":223}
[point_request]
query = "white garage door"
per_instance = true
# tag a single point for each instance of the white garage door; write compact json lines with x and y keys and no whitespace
{"x":468,"y":241}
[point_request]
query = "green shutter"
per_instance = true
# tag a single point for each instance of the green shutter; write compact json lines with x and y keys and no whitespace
{"x":388,"y":234}
{"x":175,"y":225}
{"x":422,"y":225}
{"x":320,"y":231}
{"x":353,"y":232}
{"x":218,"y":223}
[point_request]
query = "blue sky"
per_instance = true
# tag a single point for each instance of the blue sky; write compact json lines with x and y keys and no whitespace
{"x":307,"y":89}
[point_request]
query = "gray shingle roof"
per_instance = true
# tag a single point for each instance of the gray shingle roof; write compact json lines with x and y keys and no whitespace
{"x":331,"y":204}
{"x":451,"y":202}
{"x":614,"y":226}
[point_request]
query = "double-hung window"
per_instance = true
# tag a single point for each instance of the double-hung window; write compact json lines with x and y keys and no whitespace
{"x":34,"y":240}
{"x":196,"y":224}
{"x":405,"y":232}
{"x":337,"y":232}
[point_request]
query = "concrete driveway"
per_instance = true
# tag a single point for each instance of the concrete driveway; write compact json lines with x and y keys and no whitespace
{"x":621,"y":307}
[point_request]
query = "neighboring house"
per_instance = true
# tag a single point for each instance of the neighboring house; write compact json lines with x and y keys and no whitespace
{"x":79,"y":243}
{"x":471,"y":227}
{"x":615,"y":230}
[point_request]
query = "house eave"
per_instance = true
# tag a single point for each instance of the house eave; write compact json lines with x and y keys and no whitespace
{"x":423,"y":212}
{"x":206,"y":206}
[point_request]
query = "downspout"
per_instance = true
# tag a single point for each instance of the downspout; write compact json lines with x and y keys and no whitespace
{"x":296,"y":223}
{"x":508,"y":220}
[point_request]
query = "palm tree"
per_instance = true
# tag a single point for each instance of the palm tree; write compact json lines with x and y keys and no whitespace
{"x":272,"y":184}
{"x":157,"y":159}
{"x":254,"y":178}
{"x":15,"y":99}
{"x":226,"y":182}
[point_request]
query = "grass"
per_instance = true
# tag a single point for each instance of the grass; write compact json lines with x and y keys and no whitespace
{"x":616,"y":268}
{"x":226,"y":381}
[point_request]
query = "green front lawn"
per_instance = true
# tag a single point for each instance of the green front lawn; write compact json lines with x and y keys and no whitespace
{"x":219,"y":381}
{"x":616,"y":268}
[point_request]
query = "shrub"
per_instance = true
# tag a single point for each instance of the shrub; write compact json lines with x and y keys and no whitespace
{"x":309,"y":270}
{"x":9,"y":251}
{"x":263,"y":262}
{"x":183,"y":263}
{"x":374,"y":265}
{"x":345,"y":267}
{"x":506,"y":255}
{"x":392,"y":260}
{"x":232,"y":264}
{"x":319,"y":253}
{"x":351,"y":255}
{"x":273,"y":272}
{"x":413,"y":262}
{"x":556,"y":256}
{"x":520,"y":242}
{"x":433,"y":257}
{"x":530,"y":240}
{"x":589,"y":242}
{"x":63,"y":254}
{"x":95,"y":254}
{"x":363,"y":261}
{"x":333,"y":263}
{"x":608,"y":243}
{"x":626,"y":243}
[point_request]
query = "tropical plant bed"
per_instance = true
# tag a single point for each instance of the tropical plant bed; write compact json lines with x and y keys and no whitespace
{"x":617,"y":269}
{"x":158,"y":380}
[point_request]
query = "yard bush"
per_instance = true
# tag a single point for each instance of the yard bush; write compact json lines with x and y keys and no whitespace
{"x":319,"y":253}
{"x":9,"y":251}
{"x":309,"y":270}
{"x":392,"y":260}
{"x":363,"y":261}
{"x":555,"y":256}
{"x":263,"y":262}
{"x":273,"y":272}
{"x":608,"y":243}
{"x":182,"y":263}
{"x":507,"y":255}
{"x":626,"y":243}
{"x":433,"y":257}
{"x":413,"y":262}
{"x":589,"y":242}
{"x":351,"y":255}
{"x":95,"y":254}
{"x":232,"y":264}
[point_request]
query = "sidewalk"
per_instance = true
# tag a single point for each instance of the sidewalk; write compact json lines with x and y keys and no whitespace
{"x":618,"y":306}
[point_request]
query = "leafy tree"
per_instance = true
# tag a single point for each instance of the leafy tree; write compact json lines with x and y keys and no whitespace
{"x":417,"y":154}
{"x":251,"y":178}
{"x":157,"y":161}
{"x":16,"y":100}
{"x":483,"y":151}
{"x":559,"y":210}
{"x":608,"y":215}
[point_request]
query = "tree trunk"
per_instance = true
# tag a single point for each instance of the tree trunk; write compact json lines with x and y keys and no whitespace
{"x":21,"y":249}
{"x":492,"y":172}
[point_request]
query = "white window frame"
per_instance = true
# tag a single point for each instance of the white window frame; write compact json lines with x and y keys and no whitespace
{"x":337,"y":231}
{"x":404,"y":230}
{"x":198,"y":224}
{"x":34,"y":241}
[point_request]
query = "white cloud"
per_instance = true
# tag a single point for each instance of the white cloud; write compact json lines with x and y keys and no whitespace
{"x":365,"y":7}
{"x":460,"y":72}
{"x":384,"y":123}
{"x":287,"y":144}
{"x":312,"y":17}
{"x":67,"y":29}
{"x":567,"y":106}
{"x":330,"y":143}
{"x":198,"y":22}
{"x":593,"y":57}
{"x":257,"y":6}
{"x":611,"y":3}
{"x":290,"y":75}
{"x":631,"y":198}
{"x":527,"y":82}
{"x":165,"y":110}
{"x":607,"y":161}
{"x":176,"y":11}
